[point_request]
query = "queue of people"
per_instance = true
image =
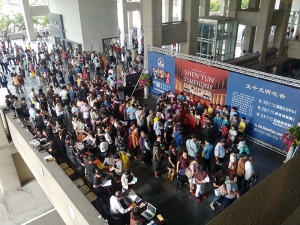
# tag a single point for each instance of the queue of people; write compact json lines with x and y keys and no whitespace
{"x":89,"y":112}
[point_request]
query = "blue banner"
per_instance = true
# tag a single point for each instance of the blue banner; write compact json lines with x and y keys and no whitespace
{"x":269,"y":108}
{"x":161,"y":69}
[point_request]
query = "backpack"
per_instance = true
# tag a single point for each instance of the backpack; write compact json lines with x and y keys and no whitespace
{"x":155,"y":119}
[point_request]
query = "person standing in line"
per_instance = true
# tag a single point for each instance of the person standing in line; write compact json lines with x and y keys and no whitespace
{"x":241,"y":170}
{"x":292,"y":31}
{"x":232,"y":192}
{"x":288,"y":32}
{"x":192,"y":146}
{"x":249,"y":172}
{"x":243,"y":34}
{"x":206,"y":154}
{"x":219,"y":155}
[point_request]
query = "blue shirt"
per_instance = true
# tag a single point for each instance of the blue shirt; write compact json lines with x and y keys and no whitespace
{"x":207,"y":151}
{"x":217,"y":121}
{"x":178,"y":139}
{"x":110,"y":76}
{"x":73,"y":94}
{"x":199,"y":108}
{"x":125,"y":113}
{"x":132,"y":111}
{"x":181,"y":98}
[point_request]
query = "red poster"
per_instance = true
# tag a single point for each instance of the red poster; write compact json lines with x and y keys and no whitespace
{"x":206,"y":84}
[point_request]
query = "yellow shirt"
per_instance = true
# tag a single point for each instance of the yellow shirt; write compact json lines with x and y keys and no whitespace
{"x":210,"y":111}
{"x":126,"y":160}
{"x":78,"y":82}
{"x":15,"y":80}
{"x":242,"y":127}
{"x":29,"y":47}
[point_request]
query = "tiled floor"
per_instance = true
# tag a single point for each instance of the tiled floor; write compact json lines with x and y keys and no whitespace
{"x":178,"y":206}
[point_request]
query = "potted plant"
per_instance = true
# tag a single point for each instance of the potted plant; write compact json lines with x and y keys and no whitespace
{"x":290,"y":140}
{"x":144,"y":82}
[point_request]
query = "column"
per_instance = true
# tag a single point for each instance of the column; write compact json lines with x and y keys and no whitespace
{"x":191,"y":11}
{"x":9,"y":179}
{"x":130,"y":20}
{"x":152,"y":18}
{"x":234,"y":6}
{"x":253,"y":4}
{"x":168,"y":11}
{"x":125,"y":16}
{"x":248,"y":40}
{"x":297,"y":29}
{"x":280,"y":30}
{"x":204,"y":7}
{"x":28,"y":20}
{"x":223,"y":7}
{"x":263,"y":28}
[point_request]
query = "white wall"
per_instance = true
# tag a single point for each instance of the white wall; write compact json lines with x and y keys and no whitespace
{"x":71,"y":18}
{"x":99,"y":20}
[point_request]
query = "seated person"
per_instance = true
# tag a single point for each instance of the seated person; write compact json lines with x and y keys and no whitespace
{"x":108,"y":159}
{"x":116,"y":209}
{"x":135,"y":217}
{"x":297,"y":37}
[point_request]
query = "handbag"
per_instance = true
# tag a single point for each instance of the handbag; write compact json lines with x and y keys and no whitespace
{"x":154,"y":156}
{"x":188,"y":173}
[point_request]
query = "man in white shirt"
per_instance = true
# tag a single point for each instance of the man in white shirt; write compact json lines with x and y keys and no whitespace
{"x":85,"y":110}
{"x":219,"y":155}
{"x":249,"y":171}
{"x":64,"y":95}
{"x":116,"y":209}
{"x":59,"y":113}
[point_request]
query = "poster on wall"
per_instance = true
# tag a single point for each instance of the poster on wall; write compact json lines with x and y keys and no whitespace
{"x":269,"y":107}
{"x":162,"y":72}
{"x":206,"y":84}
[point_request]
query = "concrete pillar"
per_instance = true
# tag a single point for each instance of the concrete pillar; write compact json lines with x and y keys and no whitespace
{"x":9,"y":179}
{"x":263,"y":28}
{"x":253,"y":4}
{"x":3,"y":136}
{"x":234,"y":6}
{"x":249,"y":37}
{"x":223,"y":7}
{"x":152,"y":18}
{"x":280,"y":30}
{"x":28,"y":20}
{"x":204,"y":7}
{"x":297,"y":29}
{"x":125,"y":16}
{"x":168,"y":11}
{"x":130,"y":20}
{"x":191,"y":11}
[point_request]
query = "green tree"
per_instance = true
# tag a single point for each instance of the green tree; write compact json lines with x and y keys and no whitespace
{"x":19,"y":22}
{"x":45,"y":20}
{"x":215,"y":5}
{"x":245,"y":4}
{"x":5,"y":22}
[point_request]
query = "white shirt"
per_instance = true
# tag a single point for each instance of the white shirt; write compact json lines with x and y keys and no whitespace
{"x":32,"y":112}
{"x":232,"y":134}
{"x":103,"y":146}
{"x":124,"y":181}
{"x":85,"y":111}
{"x":232,"y":160}
{"x":64,"y":94}
{"x":116,"y":207}
{"x":108,"y":138}
{"x":58,"y":110}
{"x":248,"y":170}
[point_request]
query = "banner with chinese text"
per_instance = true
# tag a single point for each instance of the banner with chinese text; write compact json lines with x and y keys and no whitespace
{"x":162,"y":72}
{"x":204,"y":83}
{"x":269,"y":108}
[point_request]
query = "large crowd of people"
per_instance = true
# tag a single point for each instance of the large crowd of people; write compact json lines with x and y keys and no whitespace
{"x":85,"y":110}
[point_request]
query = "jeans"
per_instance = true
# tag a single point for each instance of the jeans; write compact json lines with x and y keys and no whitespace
{"x":227,"y":202}
{"x":216,"y":198}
